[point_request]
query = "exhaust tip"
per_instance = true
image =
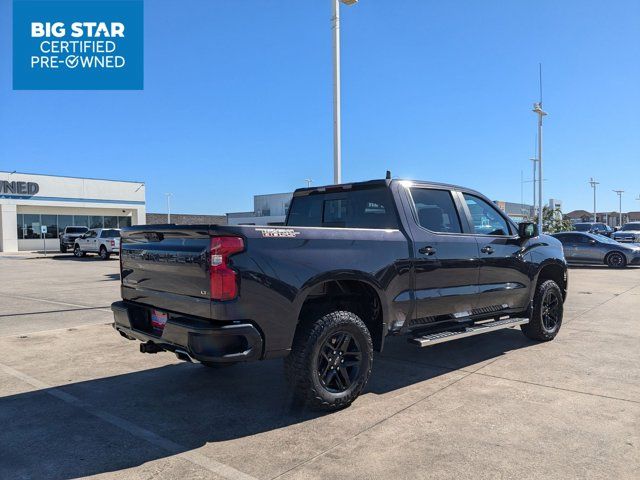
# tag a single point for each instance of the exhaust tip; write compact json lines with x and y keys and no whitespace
{"x":182,"y":355}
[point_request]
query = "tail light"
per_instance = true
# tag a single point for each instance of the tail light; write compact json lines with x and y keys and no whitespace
{"x":113,"y":243}
{"x":224,"y":282}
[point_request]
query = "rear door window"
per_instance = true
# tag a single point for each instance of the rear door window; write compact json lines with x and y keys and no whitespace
{"x":435,"y":210}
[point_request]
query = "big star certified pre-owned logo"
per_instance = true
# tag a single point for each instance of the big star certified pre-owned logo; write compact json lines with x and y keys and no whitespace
{"x":77,"y":45}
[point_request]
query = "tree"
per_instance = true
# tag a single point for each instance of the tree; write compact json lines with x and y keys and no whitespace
{"x":553,"y":221}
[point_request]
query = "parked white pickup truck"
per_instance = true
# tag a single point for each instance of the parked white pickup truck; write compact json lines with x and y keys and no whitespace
{"x":103,"y":241}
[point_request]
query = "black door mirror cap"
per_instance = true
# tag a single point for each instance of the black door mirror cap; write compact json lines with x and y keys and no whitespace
{"x":527,"y":230}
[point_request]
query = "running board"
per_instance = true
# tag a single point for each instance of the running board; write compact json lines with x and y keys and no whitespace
{"x":446,"y":336}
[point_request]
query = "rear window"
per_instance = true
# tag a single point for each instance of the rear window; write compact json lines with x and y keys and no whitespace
{"x":366,"y":208}
{"x":76,"y":229}
{"x":110,"y":233}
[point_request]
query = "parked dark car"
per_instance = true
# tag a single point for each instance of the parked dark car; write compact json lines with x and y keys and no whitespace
{"x":629,"y":233}
{"x":594,"y":227}
{"x":354,"y":264}
{"x":587,"y":248}
{"x":69,"y":235}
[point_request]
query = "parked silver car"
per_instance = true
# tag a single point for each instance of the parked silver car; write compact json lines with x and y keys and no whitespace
{"x":587,"y":248}
{"x":629,"y":233}
{"x":103,"y":241}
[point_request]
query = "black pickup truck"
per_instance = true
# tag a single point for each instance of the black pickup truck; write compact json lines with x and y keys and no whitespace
{"x":353,"y":264}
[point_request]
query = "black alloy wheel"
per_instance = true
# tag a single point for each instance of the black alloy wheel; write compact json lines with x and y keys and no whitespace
{"x":616,"y":260}
{"x":551,"y":310}
{"x":338,"y":362}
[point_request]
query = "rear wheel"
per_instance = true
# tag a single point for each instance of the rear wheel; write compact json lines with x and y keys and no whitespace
{"x":104,"y":255}
{"x":616,"y":260}
{"x":63,"y":248}
{"x":330,"y":360}
{"x":546,"y":318}
{"x":77,"y":252}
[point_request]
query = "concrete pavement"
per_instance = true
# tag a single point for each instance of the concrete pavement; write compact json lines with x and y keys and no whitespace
{"x":77,"y":400}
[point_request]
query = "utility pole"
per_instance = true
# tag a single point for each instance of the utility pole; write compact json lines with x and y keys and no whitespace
{"x":169,"y":195}
{"x":308,"y":180}
{"x":620,"y":192}
{"x":337,"y":138}
{"x":593,"y":185}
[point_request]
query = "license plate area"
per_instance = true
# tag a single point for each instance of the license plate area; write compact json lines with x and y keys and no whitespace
{"x":158,"y":321}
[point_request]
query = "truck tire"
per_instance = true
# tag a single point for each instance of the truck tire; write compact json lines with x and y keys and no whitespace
{"x":104,"y":255}
{"x":77,"y":252}
{"x":330,"y":360}
{"x":546,"y":318}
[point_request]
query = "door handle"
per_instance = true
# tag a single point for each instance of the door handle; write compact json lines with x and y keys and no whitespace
{"x":427,"y":250}
{"x":487,"y":249}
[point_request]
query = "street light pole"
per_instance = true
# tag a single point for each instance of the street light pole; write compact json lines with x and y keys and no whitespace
{"x":593,"y":185}
{"x":308,"y":180}
{"x":620,"y":192}
{"x":337,"y":135}
{"x":534,"y":161}
{"x":537,"y":108}
{"x":169,"y":195}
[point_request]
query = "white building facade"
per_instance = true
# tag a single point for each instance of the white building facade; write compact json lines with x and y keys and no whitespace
{"x":29,"y":202}
{"x":270,"y":209}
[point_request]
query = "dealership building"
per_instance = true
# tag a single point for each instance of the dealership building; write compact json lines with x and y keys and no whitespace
{"x":34,"y":208}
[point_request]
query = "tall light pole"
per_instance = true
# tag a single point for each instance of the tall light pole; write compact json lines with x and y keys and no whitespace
{"x":537,"y":108}
{"x":593,"y":184}
{"x":308,"y":180}
{"x":169,"y":195}
{"x":620,"y":192}
{"x":337,"y":140}
{"x":534,"y":161}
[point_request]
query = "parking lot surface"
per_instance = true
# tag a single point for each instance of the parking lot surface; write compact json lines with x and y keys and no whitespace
{"x":78,"y":400}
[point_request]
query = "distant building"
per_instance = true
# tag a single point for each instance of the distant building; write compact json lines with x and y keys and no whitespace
{"x":270,"y":209}
{"x":182,"y":219}
{"x":610,"y":218}
{"x":517,"y":211}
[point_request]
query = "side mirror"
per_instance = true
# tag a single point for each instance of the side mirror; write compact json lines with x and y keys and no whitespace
{"x":527,"y":230}
{"x":592,"y":241}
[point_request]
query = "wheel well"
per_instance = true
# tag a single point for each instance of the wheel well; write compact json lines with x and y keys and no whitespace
{"x":555,"y":273}
{"x":351,"y":295}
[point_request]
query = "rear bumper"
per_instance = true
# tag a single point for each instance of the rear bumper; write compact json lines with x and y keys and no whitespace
{"x":203,"y":341}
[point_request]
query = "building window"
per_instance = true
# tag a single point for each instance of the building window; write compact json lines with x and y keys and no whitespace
{"x":64,"y":221}
{"x":51,"y":222}
{"x":110,"y":222}
{"x":31,"y":226}
{"x":80,"y":221}
{"x":96,"y":222}
{"x":124,"y":222}
{"x":21,"y":229}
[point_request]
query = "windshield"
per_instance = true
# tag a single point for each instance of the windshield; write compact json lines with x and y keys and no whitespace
{"x":76,"y":229}
{"x":602,"y":238}
{"x":630,"y":226}
{"x":582,"y":227}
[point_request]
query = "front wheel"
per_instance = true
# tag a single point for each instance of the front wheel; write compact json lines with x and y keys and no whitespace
{"x":546,"y":318}
{"x":77,"y":252}
{"x":616,"y":260}
{"x":330,"y":360}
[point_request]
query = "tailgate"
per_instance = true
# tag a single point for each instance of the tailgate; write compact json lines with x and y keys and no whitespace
{"x":165,"y":258}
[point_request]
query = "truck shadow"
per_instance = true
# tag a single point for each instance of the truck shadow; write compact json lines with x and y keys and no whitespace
{"x":69,"y":431}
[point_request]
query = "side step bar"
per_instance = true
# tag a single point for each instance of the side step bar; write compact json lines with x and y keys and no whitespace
{"x":446,"y":336}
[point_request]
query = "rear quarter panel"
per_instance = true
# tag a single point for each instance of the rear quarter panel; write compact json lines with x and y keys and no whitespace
{"x":282,"y":264}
